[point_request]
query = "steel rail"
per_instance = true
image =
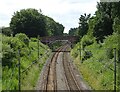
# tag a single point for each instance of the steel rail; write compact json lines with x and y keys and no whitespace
{"x":72,"y":83}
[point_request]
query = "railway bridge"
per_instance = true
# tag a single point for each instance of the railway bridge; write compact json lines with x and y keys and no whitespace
{"x":51,"y":39}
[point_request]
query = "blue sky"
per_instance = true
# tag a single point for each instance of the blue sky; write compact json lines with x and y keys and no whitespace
{"x":66,"y":12}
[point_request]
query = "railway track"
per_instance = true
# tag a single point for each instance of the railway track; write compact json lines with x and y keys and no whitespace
{"x":70,"y":77}
{"x":49,"y":77}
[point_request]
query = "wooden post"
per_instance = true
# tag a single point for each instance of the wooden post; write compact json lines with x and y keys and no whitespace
{"x":118,"y":38}
{"x":19,"y":73}
{"x":80,"y":51}
{"x":118,"y":69}
{"x":38,"y":47}
{"x":114,"y":69}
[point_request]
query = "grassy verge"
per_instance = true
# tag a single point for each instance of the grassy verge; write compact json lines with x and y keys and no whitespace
{"x":95,"y":79}
{"x":97,"y":66}
{"x":32,"y":76}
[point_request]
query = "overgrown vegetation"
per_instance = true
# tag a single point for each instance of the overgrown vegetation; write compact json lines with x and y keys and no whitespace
{"x":96,"y":64}
{"x":24,"y":24}
{"x":94,"y":53}
{"x":21,"y":48}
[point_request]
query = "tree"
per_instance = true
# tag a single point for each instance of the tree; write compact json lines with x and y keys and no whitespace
{"x":83,"y":24}
{"x":53,"y":28}
{"x":28,"y":21}
{"x":6,"y":31}
{"x":73,"y":31}
{"x":103,"y":26}
{"x":115,"y":9}
{"x":50,"y":23}
{"x":91,"y":23}
{"x":59,"y":28}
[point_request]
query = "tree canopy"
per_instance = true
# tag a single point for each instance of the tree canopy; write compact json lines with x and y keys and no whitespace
{"x":103,"y":23}
{"x":73,"y":31}
{"x":32,"y":22}
{"x":83,"y":24}
{"x":28,"y":21}
{"x":53,"y":28}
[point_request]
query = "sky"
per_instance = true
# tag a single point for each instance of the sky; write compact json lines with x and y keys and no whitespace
{"x":66,"y":12}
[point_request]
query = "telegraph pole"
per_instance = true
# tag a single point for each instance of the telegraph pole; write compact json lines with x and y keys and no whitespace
{"x":80,"y":50}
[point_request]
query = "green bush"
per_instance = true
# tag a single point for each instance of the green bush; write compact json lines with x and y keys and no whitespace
{"x":75,"y":52}
{"x":111,"y":41}
{"x":109,"y":53}
{"x":116,"y":25}
{"x":17,"y":43}
{"x":87,"y":40}
{"x":86,"y":55}
{"x":23,"y":38}
{"x":7,"y":55}
{"x":34,"y":39}
{"x":7,"y":31}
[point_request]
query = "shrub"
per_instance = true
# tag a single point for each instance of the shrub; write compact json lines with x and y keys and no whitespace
{"x":109,"y":53}
{"x":87,"y":40}
{"x":16,"y":43}
{"x":111,"y":41}
{"x":34,"y":39}
{"x":7,"y":55}
{"x":23,"y":38}
{"x":6,"y":31}
{"x":86,"y":55}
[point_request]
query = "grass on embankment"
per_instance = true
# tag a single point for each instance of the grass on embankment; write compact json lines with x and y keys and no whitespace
{"x":29,"y":82}
{"x":28,"y":54}
{"x":95,"y":79}
{"x":97,"y":66}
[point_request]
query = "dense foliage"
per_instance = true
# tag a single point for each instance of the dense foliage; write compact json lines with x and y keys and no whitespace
{"x":6,"y":31}
{"x":32,"y":23}
{"x":26,"y":50}
{"x":28,"y":21}
{"x":96,"y":47}
{"x":73,"y":31}
{"x":97,"y":65}
{"x":83,"y":25}
{"x":53,"y":28}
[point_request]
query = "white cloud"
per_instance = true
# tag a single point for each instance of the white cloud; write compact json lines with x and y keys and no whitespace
{"x":66,"y":12}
